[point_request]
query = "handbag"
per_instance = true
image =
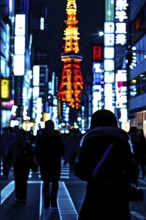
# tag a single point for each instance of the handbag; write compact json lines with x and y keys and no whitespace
{"x":134,"y":193}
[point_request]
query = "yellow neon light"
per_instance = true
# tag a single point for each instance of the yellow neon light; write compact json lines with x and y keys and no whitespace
{"x":5,"y":89}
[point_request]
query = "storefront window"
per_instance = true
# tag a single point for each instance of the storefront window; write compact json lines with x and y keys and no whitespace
{"x":138,"y":85}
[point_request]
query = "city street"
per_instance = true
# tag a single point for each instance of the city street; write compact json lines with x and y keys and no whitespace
{"x":70,"y":197}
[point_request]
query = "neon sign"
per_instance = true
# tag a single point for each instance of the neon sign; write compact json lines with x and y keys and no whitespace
{"x":121,"y":22}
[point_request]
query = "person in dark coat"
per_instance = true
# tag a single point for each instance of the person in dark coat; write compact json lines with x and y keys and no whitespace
{"x":142,"y":149}
{"x":5,"y":138}
{"x":72,"y":143}
{"x":135,"y":141}
{"x":49,"y":151}
{"x":16,"y":157}
{"x":107,"y":189}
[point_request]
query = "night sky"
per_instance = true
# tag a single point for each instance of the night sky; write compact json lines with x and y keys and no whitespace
{"x":90,"y":16}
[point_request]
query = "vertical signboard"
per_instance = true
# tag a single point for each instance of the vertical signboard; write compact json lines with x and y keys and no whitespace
{"x":109,"y":66}
{"x":19,"y":46}
{"x":121,"y":20}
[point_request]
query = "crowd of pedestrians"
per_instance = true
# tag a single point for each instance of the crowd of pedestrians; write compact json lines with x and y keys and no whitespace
{"x":106,"y":157}
{"x":72,"y":147}
{"x":138,"y":145}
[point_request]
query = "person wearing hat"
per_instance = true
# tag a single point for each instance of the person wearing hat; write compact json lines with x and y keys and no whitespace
{"x":106,"y":163}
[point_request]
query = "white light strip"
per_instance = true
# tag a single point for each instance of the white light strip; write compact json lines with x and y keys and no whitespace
{"x":137,"y":215}
{"x":35,"y":181}
{"x":6,"y":192}
{"x":8,"y":189}
{"x":65,"y":204}
{"x":64,"y":177}
{"x":65,"y":172}
{"x":41,"y":201}
{"x":143,"y":182}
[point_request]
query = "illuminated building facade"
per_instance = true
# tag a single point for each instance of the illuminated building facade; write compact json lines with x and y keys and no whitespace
{"x":109,"y":56}
{"x":121,"y":40}
{"x":137,"y":66}
{"x":6,"y":50}
{"x":21,"y":64}
{"x":71,"y":84}
{"x":98,"y":78}
{"x":115,"y":71}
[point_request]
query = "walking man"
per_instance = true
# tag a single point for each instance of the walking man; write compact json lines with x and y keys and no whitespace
{"x":49,"y":150}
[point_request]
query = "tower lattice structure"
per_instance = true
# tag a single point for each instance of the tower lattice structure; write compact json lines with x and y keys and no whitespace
{"x":71,"y":83}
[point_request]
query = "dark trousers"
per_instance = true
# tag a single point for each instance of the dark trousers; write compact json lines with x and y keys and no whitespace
{"x":50,"y":190}
{"x":21,"y":177}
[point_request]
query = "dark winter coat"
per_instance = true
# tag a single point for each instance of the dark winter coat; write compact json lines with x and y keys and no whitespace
{"x":106,"y":195}
{"x":49,"y":150}
{"x":17,"y":158}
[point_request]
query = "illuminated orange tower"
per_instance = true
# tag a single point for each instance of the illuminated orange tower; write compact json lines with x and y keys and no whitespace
{"x":71,"y":84}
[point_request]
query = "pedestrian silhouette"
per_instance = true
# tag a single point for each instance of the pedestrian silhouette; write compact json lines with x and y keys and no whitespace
{"x":106,"y":163}
{"x":49,"y":151}
{"x":142,"y":146}
{"x":5,"y":138}
{"x":135,"y":142}
{"x":17,"y":158}
{"x":72,"y":144}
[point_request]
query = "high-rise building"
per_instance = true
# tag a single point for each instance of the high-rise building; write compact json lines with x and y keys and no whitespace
{"x":137,"y":65}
